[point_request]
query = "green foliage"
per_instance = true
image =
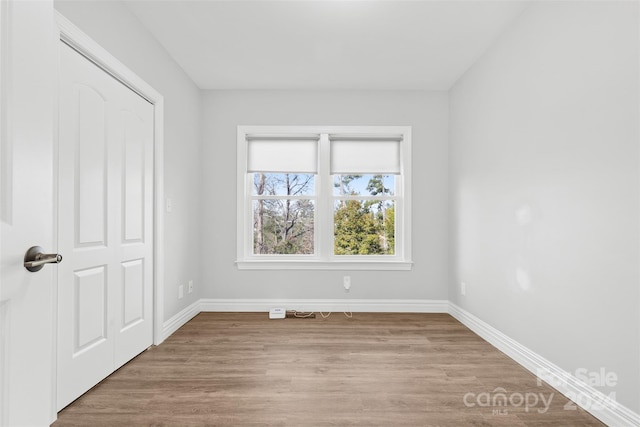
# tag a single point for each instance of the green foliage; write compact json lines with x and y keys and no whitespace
{"x":390,"y":229}
{"x":376,"y":186}
{"x":364,"y":227}
{"x":356,"y":230}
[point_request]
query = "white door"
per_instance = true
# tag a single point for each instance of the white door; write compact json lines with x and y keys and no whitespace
{"x":26,"y":212}
{"x":105,"y":225}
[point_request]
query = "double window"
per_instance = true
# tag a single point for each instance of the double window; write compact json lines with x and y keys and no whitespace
{"x":324,"y":197}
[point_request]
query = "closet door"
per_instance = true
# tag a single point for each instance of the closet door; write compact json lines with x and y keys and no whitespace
{"x":105,"y":219}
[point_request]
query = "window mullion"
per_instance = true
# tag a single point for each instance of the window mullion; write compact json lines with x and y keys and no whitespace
{"x":324,"y":223}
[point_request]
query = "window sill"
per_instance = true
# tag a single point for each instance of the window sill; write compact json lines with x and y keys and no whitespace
{"x":323,"y":265}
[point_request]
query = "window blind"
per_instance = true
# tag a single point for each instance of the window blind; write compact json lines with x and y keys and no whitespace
{"x":282,"y":154}
{"x":362,"y":154}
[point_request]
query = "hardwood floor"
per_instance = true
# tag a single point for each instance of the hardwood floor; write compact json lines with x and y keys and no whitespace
{"x":243,"y":369}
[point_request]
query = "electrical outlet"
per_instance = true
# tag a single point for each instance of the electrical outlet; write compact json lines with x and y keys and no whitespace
{"x":180,"y":291}
{"x":190,"y":288}
{"x":346,"y":282}
{"x":463,"y":288}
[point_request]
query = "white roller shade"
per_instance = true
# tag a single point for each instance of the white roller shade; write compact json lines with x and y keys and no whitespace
{"x":365,"y":154}
{"x":275,"y":154}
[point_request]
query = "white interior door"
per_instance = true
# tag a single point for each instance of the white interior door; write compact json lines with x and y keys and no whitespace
{"x":105,"y":225}
{"x":26,"y":212}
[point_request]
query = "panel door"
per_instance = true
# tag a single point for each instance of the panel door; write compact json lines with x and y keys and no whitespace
{"x":104,"y":225}
{"x":26,"y":212}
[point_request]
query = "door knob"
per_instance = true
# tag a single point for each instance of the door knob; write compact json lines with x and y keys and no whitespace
{"x":35,"y":259}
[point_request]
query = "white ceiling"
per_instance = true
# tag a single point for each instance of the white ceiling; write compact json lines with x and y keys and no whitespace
{"x":326,"y":44}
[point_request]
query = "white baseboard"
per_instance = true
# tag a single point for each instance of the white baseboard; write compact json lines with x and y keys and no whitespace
{"x":258,"y":305}
{"x":326,"y":305}
{"x":586,"y":396}
{"x":177,"y":321}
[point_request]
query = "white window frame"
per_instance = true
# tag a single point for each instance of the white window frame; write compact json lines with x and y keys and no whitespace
{"x":324,"y":259}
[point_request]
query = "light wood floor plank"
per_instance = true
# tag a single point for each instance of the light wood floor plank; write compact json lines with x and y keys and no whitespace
{"x":241,"y":369}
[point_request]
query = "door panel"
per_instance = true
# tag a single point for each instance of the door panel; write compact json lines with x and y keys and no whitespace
{"x":105,"y":201}
{"x":90,"y":314}
{"x":135,"y":313}
{"x":91,"y":189}
{"x":85,"y":338}
{"x":133,"y":292}
{"x":133,"y":177}
{"x":26,"y":211}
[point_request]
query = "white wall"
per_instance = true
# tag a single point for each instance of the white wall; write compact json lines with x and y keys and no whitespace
{"x":426,"y":112}
{"x":545,"y":188}
{"x":112,"y":25}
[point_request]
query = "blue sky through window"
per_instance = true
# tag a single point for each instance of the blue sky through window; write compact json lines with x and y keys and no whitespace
{"x":359,"y":185}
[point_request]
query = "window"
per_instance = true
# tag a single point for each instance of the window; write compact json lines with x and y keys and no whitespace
{"x":324,"y":197}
